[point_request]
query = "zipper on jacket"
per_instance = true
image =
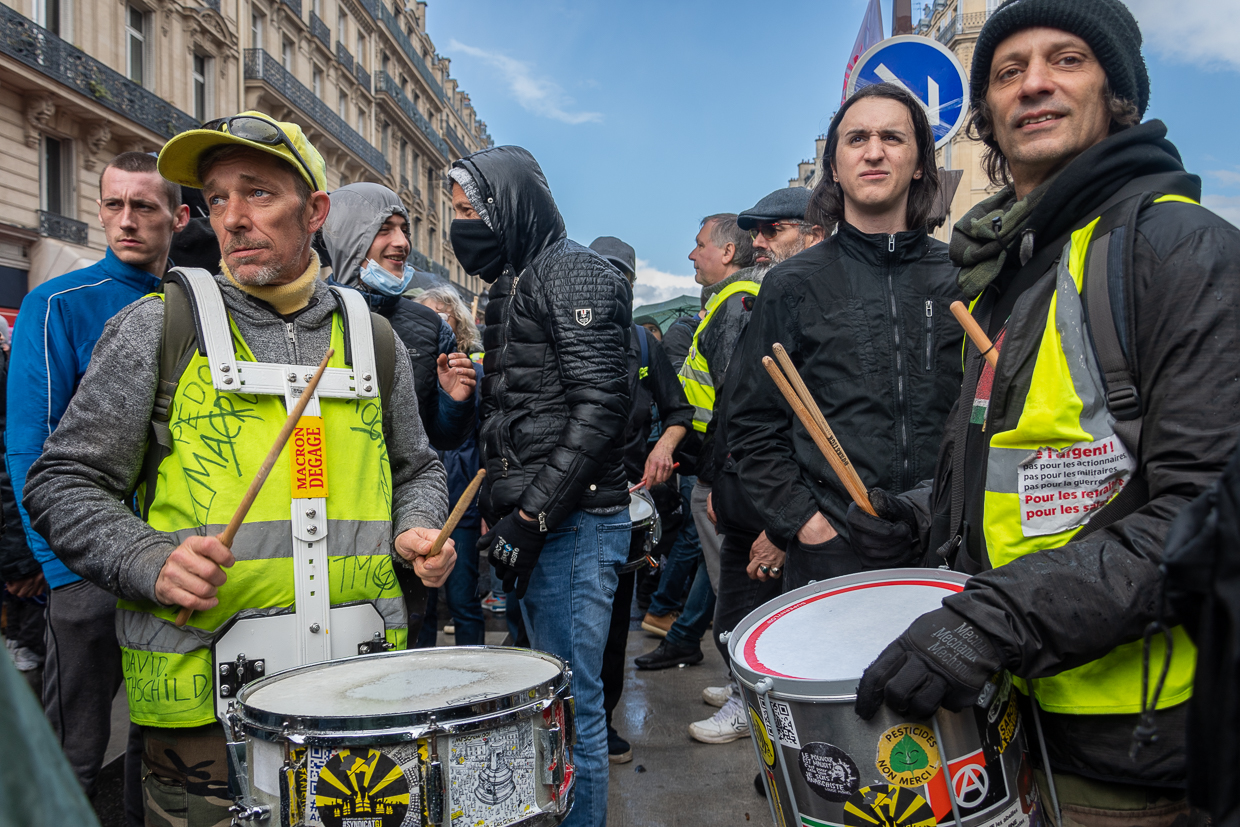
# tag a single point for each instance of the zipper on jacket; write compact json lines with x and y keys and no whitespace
{"x":503,"y":379}
{"x":929,"y":335}
{"x":291,"y":334}
{"x":900,"y":383}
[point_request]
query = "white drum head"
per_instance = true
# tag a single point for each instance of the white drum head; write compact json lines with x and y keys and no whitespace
{"x":415,"y":681}
{"x":640,"y":509}
{"x":833,"y":635}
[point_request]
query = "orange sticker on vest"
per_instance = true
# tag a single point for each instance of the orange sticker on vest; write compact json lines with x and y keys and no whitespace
{"x":307,"y":457}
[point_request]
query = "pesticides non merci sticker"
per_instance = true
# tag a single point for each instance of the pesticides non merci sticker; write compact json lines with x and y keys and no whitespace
{"x":1059,"y":490}
{"x":908,"y":755}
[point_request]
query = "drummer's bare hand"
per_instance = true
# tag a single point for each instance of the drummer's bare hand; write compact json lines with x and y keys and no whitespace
{"x":766,"y":562}
{"x":27,"y":586}
{"x":710,"y":508}
{"x":816,"y":531}
{"x":415,"y":544}
{"x":456,"y":375}
{"x":192,"y":575}
{"x":658,"y":465}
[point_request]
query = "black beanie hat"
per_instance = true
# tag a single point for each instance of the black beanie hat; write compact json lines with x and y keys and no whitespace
{"x":1106,"y":25}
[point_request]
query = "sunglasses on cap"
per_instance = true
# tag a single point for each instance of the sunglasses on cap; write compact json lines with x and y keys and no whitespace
{"x":769,"y":231}
{"x":260,"y":131}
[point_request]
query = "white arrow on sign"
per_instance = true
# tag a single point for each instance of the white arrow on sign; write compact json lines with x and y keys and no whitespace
{"x":931,"y":106}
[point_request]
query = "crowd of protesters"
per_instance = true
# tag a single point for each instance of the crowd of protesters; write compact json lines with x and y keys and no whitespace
{"x":571,"y":404}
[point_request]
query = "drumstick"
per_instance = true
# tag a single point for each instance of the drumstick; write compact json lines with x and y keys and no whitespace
{"x":462,"y":505}
{"x":675,"y":465}
{"x":980,"y":339}
{"x":823,"y":436}
{"x":230,"y":531}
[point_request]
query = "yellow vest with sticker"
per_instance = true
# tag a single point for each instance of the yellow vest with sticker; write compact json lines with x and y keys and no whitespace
{"x":219,"y":441}
{"x":1046,"y":476}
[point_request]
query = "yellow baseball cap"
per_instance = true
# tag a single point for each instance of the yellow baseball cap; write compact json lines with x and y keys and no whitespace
{"x":178,"y":160}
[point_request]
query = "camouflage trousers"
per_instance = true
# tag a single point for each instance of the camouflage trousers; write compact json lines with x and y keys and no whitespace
{"x":185,"y":777}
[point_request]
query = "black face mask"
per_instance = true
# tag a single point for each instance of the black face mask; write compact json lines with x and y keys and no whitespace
{"x":477,"y":248}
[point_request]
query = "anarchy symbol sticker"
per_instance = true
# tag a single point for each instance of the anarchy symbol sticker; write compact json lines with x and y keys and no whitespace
{"x":971,"y":784}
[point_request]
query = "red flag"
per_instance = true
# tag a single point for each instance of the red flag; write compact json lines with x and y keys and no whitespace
{"x":871,"y":33}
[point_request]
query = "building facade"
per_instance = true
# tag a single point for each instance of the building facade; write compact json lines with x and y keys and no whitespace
{"x":82,"y":80}
{"x":955,"y":24}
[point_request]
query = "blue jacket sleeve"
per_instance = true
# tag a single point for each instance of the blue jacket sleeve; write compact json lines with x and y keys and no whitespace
{"x":43,"y":372}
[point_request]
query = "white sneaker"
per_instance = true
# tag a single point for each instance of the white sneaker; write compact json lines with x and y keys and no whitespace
{"x":726,"y":725}
{"x":717,"y":696}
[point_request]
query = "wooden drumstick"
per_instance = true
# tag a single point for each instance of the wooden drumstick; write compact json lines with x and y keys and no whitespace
{"x":980,"y":340}
{"x":230,"y":531}
{"x":462,"y":505}
{"x":820,"y":432}
{"x":675,"y":465}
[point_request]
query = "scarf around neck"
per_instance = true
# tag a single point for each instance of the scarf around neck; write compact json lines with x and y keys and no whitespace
{"x":285,"y":298}
{"x":981,"y":240}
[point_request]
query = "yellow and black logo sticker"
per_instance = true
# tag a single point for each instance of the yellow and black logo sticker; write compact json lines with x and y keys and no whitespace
{"x":764,"y":741}
{"x":361,"y":786}
{"x":884,"y":805}
{"x":908,"y":755}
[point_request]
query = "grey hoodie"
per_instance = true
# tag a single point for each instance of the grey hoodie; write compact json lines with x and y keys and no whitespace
{"x":76,"y":490}
{"x":357,"y":213}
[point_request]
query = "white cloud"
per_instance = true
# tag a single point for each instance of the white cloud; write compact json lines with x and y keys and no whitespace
{"x":1227,"y":206}
{"x":1201,"y":32}
{"x":1226,"y":177}
{"x":654,"y":286}
{"x":535,"y":94}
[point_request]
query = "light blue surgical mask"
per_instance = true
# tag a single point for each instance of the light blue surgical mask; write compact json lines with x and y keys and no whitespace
{"x":383,"y":282}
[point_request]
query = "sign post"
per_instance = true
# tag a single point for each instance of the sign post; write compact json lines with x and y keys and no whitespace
{"x":927,"y":70}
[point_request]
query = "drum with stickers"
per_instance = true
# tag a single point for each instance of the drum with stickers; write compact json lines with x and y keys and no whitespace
{"x":798,"y":660}
{"x":647,"y":530}
{"x":479,"y":736}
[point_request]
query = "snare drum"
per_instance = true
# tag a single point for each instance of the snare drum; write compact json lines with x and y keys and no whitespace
{"x":646,"y":529}
{"x":479,"y":736}
{"x":798,"y":660}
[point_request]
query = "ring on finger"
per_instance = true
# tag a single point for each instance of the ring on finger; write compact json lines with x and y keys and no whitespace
{"x":765,"y":569}
{"x":775,"y":571}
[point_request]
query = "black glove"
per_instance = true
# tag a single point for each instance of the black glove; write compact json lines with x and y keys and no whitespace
{"x":513,"y":546}
{"x":940,"y":660}
{"x":888,"y":540}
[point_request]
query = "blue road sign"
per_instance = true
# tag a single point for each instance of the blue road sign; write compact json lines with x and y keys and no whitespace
{"x":927,"y":69}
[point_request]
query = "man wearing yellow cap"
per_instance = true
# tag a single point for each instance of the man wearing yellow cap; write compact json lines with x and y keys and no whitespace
{"x":175,"y":437}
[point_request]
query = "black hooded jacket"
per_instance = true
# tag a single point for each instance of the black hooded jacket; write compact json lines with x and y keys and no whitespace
{"x":555,"y":393}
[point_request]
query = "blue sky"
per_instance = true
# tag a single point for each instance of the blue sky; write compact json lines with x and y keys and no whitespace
{"x":648,"y":115}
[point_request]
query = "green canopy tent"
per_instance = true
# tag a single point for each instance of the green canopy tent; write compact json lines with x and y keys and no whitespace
{"x":667,"y":312}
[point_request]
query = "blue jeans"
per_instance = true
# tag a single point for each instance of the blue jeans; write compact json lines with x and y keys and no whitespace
{"x":567,"y":611}
{"x":682,"y":559}
{"x":689,"y":628}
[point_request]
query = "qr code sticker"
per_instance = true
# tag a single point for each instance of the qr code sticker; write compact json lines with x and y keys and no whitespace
{"x":784,"y":726}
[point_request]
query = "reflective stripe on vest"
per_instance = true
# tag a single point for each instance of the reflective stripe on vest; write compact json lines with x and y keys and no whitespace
{"x":1062,"y":461}
{"x":219,"y":442}
{"x":695,"y":373}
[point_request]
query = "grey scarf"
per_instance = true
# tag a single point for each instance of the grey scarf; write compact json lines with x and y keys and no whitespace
{"x":981,"y":240}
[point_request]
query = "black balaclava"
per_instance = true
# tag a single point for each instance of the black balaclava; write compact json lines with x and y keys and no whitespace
{"x":477,"y":248}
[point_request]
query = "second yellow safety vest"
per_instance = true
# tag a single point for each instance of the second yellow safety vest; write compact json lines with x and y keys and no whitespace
{"x":695,"y":373}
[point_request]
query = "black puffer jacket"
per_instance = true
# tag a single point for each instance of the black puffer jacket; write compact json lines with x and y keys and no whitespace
{"x":865,"y":320}
{"x":555,"y":392}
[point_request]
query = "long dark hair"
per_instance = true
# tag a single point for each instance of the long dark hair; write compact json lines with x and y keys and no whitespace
{"x":826,"y":205}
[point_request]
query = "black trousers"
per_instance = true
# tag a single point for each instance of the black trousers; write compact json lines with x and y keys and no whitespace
{"x":807,"y":564}
{"x":617,"y":644}
{"x":738,"y":595}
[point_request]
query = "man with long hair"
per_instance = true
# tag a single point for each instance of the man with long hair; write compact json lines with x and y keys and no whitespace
{"x":864,"y":317}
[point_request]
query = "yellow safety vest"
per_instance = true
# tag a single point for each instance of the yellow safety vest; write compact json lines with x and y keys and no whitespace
{"x":695,"y":372}
{"x":1061,"y":462}
{"x":219,"y":442}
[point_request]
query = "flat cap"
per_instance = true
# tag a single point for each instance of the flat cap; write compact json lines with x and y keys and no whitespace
{"x":785,"y":203}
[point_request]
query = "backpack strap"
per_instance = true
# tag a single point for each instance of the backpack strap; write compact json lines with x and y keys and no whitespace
{"x":643,"y":343}
{"x":384,"y":343}
{"x":181,"y":336}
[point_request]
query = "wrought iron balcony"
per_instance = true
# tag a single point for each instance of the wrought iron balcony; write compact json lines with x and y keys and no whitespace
{"x":33,"y":45}
{"x":390,"y":87}
{"x":404,"y":182}
{"x":402,"y":40}
{"x":345,"y":57}
{"x":58,"y":226}
{"x":456,"y":141}
{"x":295,"y":5}
{"x":320,"y":30}
{"x":261,"y":66}
{"x":363,"y":77}
{"x":949,"y":31}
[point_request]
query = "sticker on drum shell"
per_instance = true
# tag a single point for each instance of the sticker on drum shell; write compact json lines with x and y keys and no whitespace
{"x":491,"y":776}
{"x":361,"y":786}
{"x":829,"y":771}
{"x":887,"y":805}
{"x":763,"y":740}
{"x":317,"y":801}
{"x":908,"y":755}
